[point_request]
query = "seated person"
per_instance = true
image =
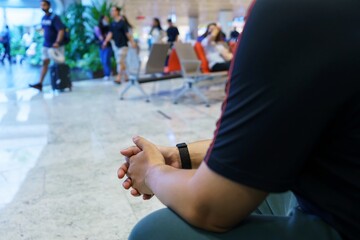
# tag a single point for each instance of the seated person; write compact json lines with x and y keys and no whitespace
{"x":290,"y":121}
{"x":217,"y":54}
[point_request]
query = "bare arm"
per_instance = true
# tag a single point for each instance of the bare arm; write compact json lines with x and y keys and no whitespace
{"x":59,"y":38}
{"x":98,"y":34}
{"x":214,"y":33}
{"x":197,"y":151}
{"x":107,"y":39}
{"x":202,"y":197}
{"x":131,"y":40}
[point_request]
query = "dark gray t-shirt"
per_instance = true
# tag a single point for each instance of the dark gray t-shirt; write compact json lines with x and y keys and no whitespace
{"x":291,"y":118}
{"x":119,"y":30}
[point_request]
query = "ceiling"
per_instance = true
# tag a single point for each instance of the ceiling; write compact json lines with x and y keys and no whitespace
{"x":206,"y":10}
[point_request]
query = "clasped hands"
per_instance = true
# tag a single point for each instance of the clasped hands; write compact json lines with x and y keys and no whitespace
{"x":140,"y":159}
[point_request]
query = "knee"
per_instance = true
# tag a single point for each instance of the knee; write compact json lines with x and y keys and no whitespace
{"x":162,"y":224}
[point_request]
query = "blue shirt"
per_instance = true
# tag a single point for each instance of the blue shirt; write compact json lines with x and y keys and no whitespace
{"x":291,"y":118}
{"x":51,"y":24}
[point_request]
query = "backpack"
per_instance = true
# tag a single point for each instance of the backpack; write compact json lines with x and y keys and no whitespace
{"x":66,"y":38}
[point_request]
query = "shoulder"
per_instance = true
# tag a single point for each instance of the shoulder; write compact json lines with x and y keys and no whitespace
{"x":53,"y":16}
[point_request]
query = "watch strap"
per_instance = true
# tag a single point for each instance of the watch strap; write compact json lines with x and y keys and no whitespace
{"x":184,"y":156}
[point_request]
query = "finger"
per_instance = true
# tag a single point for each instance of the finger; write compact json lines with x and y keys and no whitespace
{"x":130,"y":151}
{"x":147,"y":196}
{"x":127,"y":184}
{"x":123,"y":170}
{"x":135,"y":192}
{"x":141,"y":142}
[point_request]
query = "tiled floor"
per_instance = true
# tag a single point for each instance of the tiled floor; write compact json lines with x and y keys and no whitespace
{"x":59,"y":154}
{"x":17,"y":76}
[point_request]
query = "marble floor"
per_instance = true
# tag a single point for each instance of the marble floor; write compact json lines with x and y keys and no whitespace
{"x":59,"y":153}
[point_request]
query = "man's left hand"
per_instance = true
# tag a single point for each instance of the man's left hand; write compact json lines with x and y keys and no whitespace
{"x":133,"y":44}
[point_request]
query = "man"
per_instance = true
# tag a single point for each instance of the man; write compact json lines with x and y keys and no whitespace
{"x":119,"y":32}
{"x":234,"y":35}
{"x":53,"y":49}
{"x":290,"y":121}
{"x":172,"y":32}
{"x":5,"y":40}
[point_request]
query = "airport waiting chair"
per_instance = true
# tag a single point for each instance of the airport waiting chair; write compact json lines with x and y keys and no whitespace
{"x":191,"y":72}
{"x":154,"y":65}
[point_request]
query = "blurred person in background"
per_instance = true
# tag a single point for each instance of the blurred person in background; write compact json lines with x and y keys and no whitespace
{"x":26,"y":41}
{"x":101,"y":31}
{"x":119,"y":33}
{"x":172,"y":33}
{"x":157,"y":33}
{"x":217,"y":53}
{"x":54,"y":31}
{"x":234,"y":35}
{"x":5,"y":40}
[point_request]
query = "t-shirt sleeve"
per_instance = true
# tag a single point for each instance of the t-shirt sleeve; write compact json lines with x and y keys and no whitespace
{"x":97,"y":32}
{"x":126,"y":28}
{"x":58,"y":24}
{"x":279,"y":99}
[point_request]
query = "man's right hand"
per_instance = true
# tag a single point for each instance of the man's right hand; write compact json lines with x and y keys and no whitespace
{"x":170,"y":154}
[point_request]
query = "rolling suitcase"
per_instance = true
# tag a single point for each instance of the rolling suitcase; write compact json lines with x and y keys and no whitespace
{"x":60,"y":77}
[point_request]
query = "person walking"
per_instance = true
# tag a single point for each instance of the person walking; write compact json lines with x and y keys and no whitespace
{"x":5,"y":40}
{"x":119,"y":33}
{"x":53,"y":49}
{"x":101,"y":31}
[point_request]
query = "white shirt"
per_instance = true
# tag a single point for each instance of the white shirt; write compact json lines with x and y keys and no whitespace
{"x":157,"y":35}
{"x":212,"y":52}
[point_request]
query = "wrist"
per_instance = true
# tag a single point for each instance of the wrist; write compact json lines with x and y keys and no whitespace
{"x":174,"y":155}
{"x":184,"y":156}
{"x":151,"y":171}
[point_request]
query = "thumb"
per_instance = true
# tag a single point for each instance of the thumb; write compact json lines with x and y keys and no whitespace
{"x":141,"y":142}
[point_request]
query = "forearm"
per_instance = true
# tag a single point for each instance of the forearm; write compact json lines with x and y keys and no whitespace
{"x":214,"y":33}
{"x":131,"y":39}
{"x":98,"y":34}
{"x":108,"y":38}
{"x":201,"y":197}
{"x":172,"y":187}
{"x":197,"y":151}
{"x":60,"y":36}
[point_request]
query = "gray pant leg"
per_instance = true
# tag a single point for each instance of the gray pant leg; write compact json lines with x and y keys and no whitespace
{"x":164,"y":224}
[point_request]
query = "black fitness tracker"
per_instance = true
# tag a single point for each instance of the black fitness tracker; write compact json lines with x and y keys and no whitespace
{"x":184,"y":155}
